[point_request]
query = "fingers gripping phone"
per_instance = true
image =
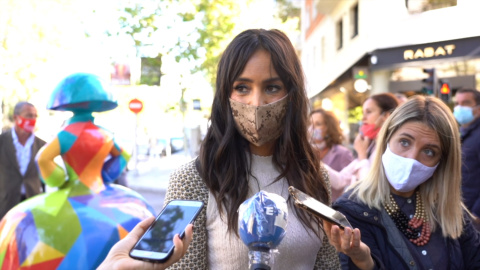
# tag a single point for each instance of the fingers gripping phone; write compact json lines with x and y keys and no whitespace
{"x":156,"y":244}
{"x":318,"y":209}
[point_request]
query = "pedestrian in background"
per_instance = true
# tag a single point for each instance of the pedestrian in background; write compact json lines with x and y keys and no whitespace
{"x":326,"y":137}
{"x":402,"y":98}
{"x":408,"y":211}
{"x":467,"y":114}
{"x":19,"y":178}
{"x":257,"y":140}
{"x":376,"y":110}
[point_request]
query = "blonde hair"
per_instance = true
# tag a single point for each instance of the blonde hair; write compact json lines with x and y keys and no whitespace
{"x":441,"y":194}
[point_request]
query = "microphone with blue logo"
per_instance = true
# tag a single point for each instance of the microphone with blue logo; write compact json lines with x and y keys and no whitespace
{"x":262,"y":220}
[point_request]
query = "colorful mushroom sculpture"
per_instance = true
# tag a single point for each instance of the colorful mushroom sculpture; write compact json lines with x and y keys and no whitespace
{"x":75,"y":226}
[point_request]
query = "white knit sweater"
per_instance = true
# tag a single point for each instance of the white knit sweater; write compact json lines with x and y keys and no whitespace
{"x":299,"y":247}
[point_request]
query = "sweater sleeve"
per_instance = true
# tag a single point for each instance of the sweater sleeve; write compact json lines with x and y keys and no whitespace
{"x":338,"y":180}
{"x":327,"y":256}
{"x":356,"y":170}
{"x":186,"y":184}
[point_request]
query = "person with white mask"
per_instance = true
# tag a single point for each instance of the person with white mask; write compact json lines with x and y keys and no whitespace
{"x":408,"y":211}
{"x":376,"y":109}
{"x":326,"y":138}
{"x":467,"y":114}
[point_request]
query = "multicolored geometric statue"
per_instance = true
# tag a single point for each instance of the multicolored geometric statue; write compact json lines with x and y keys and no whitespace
{"x":75,"y":226}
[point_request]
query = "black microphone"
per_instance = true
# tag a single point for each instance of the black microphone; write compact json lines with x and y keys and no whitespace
{"x":262,"y":222}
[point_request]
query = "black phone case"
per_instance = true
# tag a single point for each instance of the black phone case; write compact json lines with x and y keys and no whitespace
{"x":182,"y":234}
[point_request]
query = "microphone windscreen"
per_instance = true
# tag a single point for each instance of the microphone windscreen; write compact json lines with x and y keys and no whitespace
{"x":262,"y":220}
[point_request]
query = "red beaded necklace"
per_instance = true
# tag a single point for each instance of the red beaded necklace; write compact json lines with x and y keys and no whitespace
{"x":417,"y":229}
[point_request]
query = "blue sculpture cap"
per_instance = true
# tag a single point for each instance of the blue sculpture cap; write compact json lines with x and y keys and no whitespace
{"x":82,"y":92}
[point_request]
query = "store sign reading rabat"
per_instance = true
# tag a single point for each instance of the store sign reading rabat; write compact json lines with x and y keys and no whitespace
{"x":428,"y":52}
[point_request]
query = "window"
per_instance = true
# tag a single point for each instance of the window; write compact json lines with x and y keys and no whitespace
{"x":354,"y":21}
{"x":339,"y":34}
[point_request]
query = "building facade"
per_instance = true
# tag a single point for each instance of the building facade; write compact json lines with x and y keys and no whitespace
{"x":352,"y":49}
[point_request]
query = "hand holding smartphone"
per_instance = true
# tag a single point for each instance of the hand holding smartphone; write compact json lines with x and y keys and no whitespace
{"x":318,"y":209}
{"x":156,"y":245}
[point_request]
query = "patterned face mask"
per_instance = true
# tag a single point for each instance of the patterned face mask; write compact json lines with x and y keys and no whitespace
{"x":259,"y":124}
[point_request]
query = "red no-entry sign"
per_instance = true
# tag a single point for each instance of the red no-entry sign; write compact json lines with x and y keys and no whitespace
{"x":135,"y":105}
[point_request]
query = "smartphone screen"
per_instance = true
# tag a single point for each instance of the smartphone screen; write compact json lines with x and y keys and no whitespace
{"x":157,"y":242}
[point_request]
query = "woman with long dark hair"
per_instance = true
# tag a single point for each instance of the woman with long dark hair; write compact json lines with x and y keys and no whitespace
{"x":257,"y":140}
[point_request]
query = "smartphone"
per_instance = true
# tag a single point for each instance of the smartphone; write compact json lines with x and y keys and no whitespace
{"x":156,"y":244}
{"x":318,"y":209}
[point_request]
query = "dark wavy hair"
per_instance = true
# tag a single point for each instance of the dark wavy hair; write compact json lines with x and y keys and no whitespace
{"x":334,"y":132}
{"x":224,"y":153}
{"x":386,"y":101}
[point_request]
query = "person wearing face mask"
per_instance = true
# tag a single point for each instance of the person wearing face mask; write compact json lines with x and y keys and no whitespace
{"x":19,"y":178}
{"x":408,"y":211}
{"x":376,"y":109}
{"x":257,"y":140}
{"x":326,"y":138}
{"x":467,"y":114}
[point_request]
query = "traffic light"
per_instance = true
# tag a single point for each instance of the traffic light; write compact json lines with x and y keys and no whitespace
{"x":430,"y":81}
{"x":445,"y":91}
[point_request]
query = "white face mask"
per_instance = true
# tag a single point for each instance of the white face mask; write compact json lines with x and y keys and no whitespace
{"x":321,"y":145}
{"x":317,"y":134}
{"x":405,"y":174}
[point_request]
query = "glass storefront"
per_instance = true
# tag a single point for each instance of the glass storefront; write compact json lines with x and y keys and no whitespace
{"x":402,"y":70}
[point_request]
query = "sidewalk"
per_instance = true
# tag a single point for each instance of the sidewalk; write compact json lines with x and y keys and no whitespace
{"x":152,"y":174}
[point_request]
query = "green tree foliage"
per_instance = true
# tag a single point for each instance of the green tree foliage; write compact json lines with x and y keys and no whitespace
{"x":287,"y":10}
{"x":139,"y":22}
{"x":210,"y":23}
{"x":31,"y":33}
{"x":214,"y":33}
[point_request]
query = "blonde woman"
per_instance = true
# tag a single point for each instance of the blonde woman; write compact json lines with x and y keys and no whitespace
{"x":408,"y":211}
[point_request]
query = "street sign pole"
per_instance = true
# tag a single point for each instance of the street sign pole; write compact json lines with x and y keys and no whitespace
{"x":136,"y":107}
{"x":135,"y":149}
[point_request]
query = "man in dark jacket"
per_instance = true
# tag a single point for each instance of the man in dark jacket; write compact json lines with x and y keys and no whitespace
{"x":467,"y":113}
{"x":19,"y":178}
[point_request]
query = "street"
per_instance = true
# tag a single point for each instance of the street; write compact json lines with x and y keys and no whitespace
{"x":151,"y":176}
